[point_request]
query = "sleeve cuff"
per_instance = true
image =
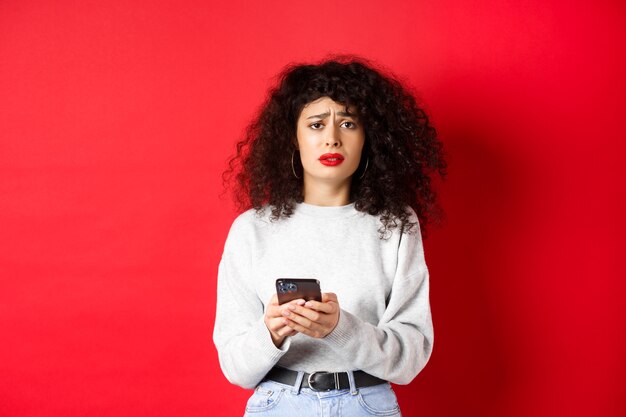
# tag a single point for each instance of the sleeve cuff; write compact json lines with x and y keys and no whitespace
{"x":346,"y":330}
{"x":262,"y":335}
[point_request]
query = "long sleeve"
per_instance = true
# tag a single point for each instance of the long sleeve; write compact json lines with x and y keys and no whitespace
{"x":400,"y":345}
{"x":385,"y":326}
{"x":245,"y":348}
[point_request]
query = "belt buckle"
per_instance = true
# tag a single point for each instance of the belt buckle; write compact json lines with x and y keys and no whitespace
{"x":310,"y":381}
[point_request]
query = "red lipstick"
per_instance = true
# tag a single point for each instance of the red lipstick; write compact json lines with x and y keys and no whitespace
{"x":331,"y":159}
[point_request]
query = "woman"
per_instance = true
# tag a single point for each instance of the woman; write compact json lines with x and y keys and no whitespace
{"x":333,"y":177}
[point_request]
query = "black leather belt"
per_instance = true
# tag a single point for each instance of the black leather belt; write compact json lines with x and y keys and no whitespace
{"x":322,"y":381}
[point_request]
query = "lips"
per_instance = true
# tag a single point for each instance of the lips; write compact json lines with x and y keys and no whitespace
{"x":331,"y":159}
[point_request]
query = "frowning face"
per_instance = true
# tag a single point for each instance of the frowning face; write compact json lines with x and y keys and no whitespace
{"x":330,"y":140}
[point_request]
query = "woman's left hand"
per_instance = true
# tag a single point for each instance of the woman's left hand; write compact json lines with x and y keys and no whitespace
{"x":314,"y":319}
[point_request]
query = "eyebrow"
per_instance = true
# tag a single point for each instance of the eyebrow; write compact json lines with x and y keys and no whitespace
{"x":325,"y":115}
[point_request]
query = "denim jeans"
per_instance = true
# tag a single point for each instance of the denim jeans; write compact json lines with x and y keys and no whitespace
{"x":279,"y":400}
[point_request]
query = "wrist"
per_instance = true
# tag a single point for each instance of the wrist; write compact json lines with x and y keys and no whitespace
{"x":278,"y":340}
{"x":334,"y":326}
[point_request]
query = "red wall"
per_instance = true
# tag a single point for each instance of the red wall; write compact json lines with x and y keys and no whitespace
{"x":116,"y":119}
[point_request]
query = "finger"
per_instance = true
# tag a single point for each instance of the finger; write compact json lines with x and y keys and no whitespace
{"x":279,"y":326}
{"x":300,"y":319}
{"x":329,"y":296}
{"x":328,"y":307}
{"x":298,"y":301}
{"x":301,"y":329}
{"x":286,"y":331}
{"x":275,"y":310}
{"x":312,"y":315}
{"x":274,"y":300}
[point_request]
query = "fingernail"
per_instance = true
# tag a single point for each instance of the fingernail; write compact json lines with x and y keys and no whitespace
{"x":292,"y":307}
{"x":285,"y":313}
{"x":301,"y":302}
{"x":308,"y":304}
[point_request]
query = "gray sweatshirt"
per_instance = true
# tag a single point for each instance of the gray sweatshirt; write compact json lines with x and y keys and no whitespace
{"x":385,"y":325}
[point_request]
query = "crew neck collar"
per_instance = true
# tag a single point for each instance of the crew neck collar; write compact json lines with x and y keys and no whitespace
{"x":326,"y":211}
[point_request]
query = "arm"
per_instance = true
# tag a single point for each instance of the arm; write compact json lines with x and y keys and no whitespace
{"x":400,"y":345}
{"x":397,"y":347}
{"x":244,"y":344}
{"x":396,"y":350}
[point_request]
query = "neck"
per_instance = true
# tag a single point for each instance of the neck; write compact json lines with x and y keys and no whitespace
{"x":326,"y":194}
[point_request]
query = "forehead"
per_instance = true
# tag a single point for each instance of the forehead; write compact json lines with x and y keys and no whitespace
{"x":324,"y":104}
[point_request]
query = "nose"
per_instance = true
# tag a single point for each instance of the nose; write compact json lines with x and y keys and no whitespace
{"x":332,"y":138}
{"x":332,"y":143}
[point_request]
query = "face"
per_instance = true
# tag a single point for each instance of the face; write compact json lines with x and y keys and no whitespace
{"x":330,"y":140}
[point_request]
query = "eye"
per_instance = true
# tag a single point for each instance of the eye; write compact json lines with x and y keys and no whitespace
{"x":316,"y":125}
{"x":349,"y":125}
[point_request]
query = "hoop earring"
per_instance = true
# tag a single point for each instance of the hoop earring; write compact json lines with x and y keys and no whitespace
{"x":292,"y":168}
{"x":367,"y":162}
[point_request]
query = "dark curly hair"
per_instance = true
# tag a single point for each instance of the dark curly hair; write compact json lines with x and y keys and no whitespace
{"x":403,"y":149}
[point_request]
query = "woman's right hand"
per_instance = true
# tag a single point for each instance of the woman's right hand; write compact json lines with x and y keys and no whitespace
{"x":275,"y":320}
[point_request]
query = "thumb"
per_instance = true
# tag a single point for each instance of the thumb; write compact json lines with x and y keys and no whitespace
{"x":329,"y":296}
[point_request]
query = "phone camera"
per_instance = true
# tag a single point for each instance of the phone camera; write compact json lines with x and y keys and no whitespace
{"x":287,"y":287}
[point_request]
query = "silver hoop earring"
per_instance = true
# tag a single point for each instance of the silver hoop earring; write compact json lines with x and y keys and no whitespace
{"x":367,"y":162}
{"x":292,"y":167}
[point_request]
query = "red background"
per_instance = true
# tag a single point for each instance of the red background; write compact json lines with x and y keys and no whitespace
{"x":116,"y":119}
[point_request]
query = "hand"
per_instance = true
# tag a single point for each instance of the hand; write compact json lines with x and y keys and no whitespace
{"x":314,"y":319}
{"x":274,"y":320}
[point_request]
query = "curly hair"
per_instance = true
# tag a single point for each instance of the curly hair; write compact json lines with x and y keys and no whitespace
{"x":400,"y":155}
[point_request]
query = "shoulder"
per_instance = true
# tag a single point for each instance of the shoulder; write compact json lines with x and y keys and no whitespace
{"x":250,"y":218}
{"x":408,"y":236}
{"x":248,"y":223}
{"x":411,"y":238}
{"x":413,"y":219}
{"x":393,"y":225}
{"x":412,"y":214}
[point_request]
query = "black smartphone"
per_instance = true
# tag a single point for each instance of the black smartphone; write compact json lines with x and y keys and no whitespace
{"x":288,"y":289}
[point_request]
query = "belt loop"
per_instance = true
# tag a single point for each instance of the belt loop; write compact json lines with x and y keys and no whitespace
{"x":353,"y":389}
{"x":296,"y":387}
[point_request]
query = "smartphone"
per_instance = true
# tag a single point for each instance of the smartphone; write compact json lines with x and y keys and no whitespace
{"x":288,"y":289}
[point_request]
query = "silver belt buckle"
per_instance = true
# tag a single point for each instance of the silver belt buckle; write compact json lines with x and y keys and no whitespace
{"x":336,"y":380}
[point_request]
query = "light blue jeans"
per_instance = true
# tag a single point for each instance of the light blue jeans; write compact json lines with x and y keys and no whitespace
{"x":273,"y":399}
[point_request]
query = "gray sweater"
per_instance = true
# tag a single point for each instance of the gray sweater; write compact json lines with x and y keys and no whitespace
{"x":385,"y":326}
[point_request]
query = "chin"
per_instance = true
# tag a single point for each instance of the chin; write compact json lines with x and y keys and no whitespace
{"x":334,"y":174}
{"x":334,"y":178}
